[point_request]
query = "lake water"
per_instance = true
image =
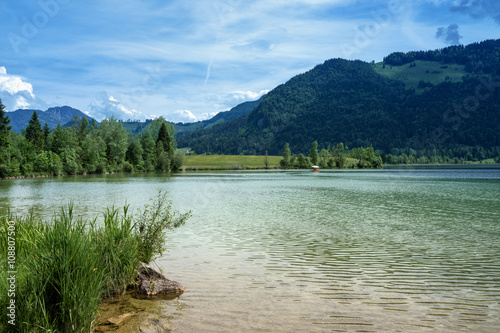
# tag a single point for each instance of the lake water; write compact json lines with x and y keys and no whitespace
{"x":345,"y":251}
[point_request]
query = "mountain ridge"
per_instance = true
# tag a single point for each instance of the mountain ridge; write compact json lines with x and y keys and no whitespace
{"x":352,"y":102}
{"x":52,"y":116}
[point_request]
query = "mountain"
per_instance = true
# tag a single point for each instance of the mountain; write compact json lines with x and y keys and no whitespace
{"x":447,"y":99}
{"x":237,"y":111}
{"x":136,"y":127}
{"x":52,"y":116}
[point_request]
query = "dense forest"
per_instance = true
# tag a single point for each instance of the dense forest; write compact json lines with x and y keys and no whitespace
{"x":85,"y":148}
{"x":348,"y":101}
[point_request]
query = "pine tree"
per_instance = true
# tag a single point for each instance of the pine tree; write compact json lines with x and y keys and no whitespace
{"x":46,"y":132}
{"x":4,"y":134}
{"x":34,"y":132}
{"x":164,"y":137}
{"x":4,"y":128}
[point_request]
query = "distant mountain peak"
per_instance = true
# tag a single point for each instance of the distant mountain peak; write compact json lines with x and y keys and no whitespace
{"x":52,"y":116}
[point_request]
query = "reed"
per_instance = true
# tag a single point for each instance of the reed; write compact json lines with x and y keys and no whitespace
{"x":66,"y":266}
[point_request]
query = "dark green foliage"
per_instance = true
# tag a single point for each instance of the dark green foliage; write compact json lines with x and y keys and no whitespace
{"x":164,"y":137}
{"x":4,"y":136}
{"x":87,"y":149}
{"x":313,"y":153}
{"x":134,"y":153}
{"x":338,"y":155}
{"x":34,"y":132}
{"x":347,"y":101}
{"x":480,"y":57}
{"x":302,"y":162}
{"x":116,"y":139}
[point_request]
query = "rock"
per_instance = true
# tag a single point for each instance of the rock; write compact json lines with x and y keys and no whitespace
{"x":117,"y":321}
{"x":152,"y":283}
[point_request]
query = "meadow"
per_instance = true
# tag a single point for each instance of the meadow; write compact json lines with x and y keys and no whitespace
{"x":225,"y":162}
{"x":428,"y":71}
{"x":237,"y":162}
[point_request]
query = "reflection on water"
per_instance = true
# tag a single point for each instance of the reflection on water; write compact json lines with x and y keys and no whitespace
{"x":377,"y":251}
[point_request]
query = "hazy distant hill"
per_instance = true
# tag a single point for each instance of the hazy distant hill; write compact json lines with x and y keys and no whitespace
{"x":136,"y":127}
{"x":239,"y":110}
{"x":442,"y":99}
{"x":53,"y":116}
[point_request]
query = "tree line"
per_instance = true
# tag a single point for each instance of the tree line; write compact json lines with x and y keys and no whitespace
{"x":331,"y":157}
{"x":85,"y":148}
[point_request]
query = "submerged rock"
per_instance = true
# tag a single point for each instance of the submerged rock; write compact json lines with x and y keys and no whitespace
{"x":152,"y":283}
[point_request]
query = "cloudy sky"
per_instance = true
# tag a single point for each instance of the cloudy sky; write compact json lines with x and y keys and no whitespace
{"x":188,"y":60}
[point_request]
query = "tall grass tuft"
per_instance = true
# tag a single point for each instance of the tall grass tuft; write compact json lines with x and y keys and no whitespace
{"x":65,"y":266}
{"x":116,"y":242}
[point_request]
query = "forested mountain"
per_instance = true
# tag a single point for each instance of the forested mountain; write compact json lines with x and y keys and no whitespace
{"x":54,"y":116}
{"x":433,"y":102}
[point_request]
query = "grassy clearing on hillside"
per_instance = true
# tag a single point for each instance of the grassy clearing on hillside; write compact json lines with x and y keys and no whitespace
{"x":428,"y":71}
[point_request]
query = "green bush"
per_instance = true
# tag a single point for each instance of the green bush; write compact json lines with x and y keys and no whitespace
{"x":176,"y":163}
{"x":152,"y":224}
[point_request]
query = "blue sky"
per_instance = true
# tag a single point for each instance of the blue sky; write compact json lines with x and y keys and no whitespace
{"x":188,"y":60}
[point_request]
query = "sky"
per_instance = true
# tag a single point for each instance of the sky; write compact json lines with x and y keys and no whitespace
{"x":188,"y":60}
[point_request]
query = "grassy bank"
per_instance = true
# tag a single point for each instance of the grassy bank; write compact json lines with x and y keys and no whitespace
{"x":55,"y":273}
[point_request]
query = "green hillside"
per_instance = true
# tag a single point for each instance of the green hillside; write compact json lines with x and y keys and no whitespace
{"x":424,"y":101}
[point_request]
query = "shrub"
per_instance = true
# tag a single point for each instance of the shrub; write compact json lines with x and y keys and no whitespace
{"x":152,"y":224}
{"x":177,"y":161}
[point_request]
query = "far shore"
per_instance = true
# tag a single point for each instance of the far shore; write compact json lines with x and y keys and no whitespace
{"x":196,"y":163}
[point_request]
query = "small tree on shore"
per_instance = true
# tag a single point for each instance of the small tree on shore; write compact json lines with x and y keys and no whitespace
{"x":313,"y":153}
{"x":302,"y":162}
{"x":285,"y":161}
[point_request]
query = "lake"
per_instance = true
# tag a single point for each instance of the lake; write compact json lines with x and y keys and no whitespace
{"x":398,"y":250}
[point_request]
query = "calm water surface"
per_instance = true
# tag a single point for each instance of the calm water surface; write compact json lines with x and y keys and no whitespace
{"x":373,"y":251}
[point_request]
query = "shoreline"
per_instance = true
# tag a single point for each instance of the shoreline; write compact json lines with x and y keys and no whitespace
{"x":198,"y":168}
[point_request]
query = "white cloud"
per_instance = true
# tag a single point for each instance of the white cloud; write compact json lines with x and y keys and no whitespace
{"x":237,"y":97}
{"x":107,"y":106}
{"x":207,"y":115}
{"x":16,"y":93}
{"x":182,"y":116}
